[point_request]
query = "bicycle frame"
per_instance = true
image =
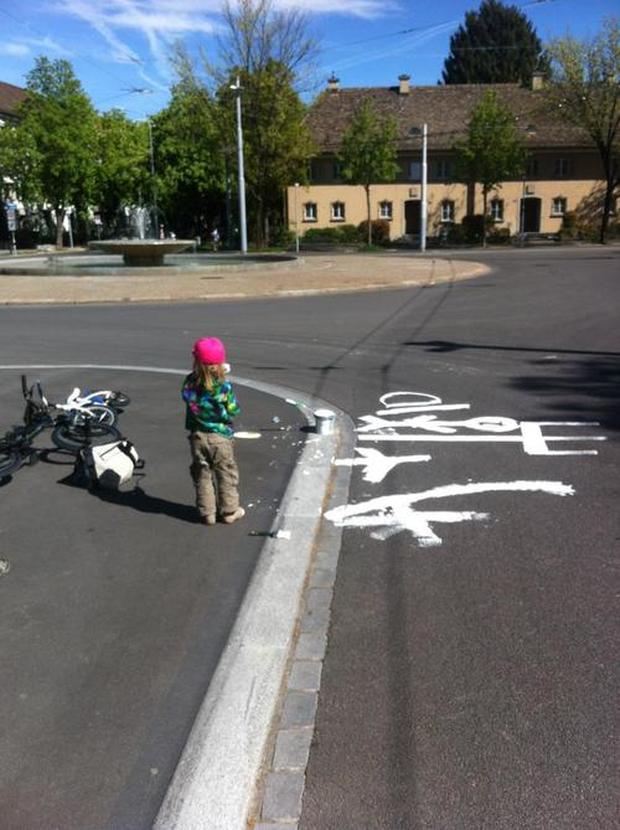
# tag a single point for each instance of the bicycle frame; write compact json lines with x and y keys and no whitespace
{"x":76,"y":405}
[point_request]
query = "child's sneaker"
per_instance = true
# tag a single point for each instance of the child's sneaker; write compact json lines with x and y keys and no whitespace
{"x":208,"y":520}
{"x":229,"y":518}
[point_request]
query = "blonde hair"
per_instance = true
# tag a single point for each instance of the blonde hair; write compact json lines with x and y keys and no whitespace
{"x":209,"y":374}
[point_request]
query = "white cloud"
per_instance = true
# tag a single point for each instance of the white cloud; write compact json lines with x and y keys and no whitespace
{"x":160,"y":22}
{"x":14,"y":50}
{"x":366,"y":9}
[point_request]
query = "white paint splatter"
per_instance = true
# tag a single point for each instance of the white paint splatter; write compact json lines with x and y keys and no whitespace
{"x":395,"y":513}
{"x":377,"y":465}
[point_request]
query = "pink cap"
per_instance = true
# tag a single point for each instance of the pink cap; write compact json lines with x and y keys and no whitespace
{"x":209,"y":350}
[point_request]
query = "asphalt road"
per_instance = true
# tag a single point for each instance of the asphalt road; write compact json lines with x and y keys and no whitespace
{"x":468,"y":683}
{"x":117,"y":607}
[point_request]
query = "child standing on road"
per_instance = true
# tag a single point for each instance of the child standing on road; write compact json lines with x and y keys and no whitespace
{"x":210,"y":407}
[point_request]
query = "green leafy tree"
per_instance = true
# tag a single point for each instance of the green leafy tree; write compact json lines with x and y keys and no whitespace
{"x":271,"y":52}
{"x":584,"y":89}
{"x":189,"y":158}
{"x":277,"y":144}
{"x":122,"y":170}
{"x":496,"y":44}
{"x":17,"y":152}
{"x":492,"y":151}
{"x":58,"y":137}
{"x":368,"y":152}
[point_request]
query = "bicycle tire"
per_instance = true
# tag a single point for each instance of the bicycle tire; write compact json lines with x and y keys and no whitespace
{"x":74,"y":437}
{"x":10,"y":461}
{"x":118,"y":400}
{"x":102,"y":415}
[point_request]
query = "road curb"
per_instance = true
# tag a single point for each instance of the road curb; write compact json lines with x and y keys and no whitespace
{"x":213,"y":787}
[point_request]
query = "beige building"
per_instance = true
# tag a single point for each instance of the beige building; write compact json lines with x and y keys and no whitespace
{"x":563,"y":173}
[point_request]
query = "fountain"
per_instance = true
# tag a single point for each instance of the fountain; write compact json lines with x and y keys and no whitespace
{"x":135,"y":241}
{"x":142,"y":247}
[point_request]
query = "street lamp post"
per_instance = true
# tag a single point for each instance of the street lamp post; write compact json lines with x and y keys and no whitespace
{"x":296,"y":219}
{"x":242,"y":220}
{"x":416,"y":131}
{"x":424,"y":204}
{"x":152,"y":158}
{"x":522,"y":211}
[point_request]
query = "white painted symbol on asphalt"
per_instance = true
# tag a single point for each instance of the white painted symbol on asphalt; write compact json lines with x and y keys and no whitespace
{"x":376,"y":465}
{"x":418,"y":423}
{"x":394,"y":514}
{"x":429,"y":428}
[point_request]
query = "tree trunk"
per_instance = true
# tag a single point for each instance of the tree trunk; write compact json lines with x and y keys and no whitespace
{"x":485,"y":197}
{"x":60,"y":221}
{"x":471,"y":198}
{"x":367,"y":187}
{"x":607,"y":204}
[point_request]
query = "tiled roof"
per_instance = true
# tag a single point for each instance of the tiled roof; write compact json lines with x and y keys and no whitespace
{"x":10,"y":97}
{"x":445,"y":109}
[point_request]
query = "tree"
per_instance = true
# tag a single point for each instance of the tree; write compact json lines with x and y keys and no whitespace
{"x":190,"y":163}
{"x":496,"y":45}
{"x":491,"y":151}
{"x":258,"y":35}
{"x":277,"y":144}
{"x":122,"y":172}
{"x":58,"y":128}
{"x":271,"y":52}
{"x":368,"y":153}
{"x":584,"y":89}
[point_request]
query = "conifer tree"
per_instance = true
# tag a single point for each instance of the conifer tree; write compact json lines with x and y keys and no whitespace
{"x":496,"y":45}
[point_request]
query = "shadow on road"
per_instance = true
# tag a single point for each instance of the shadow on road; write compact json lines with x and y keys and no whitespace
{"x":136,"y":499}
{"x":451,"y":346}
{"x":589,"y":388}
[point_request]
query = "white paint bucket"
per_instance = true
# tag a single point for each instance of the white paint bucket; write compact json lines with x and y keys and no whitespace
{"x":324,"y":421}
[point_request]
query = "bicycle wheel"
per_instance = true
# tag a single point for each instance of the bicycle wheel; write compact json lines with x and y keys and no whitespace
{"x":74,"y":436}
{"x":101,"y":415}
{"x":118,"y":400}
{"x":10,"y":461}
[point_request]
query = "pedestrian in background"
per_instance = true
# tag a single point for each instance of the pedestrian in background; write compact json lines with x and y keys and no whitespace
{"x":215,"y":238}
{"x":210,"y":407}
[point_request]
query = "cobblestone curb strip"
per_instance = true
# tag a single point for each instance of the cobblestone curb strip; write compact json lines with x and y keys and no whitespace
{"x":280,"y":793}
{"x":214,"y":785}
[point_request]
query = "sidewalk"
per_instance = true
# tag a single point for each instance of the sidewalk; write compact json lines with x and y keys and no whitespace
{"x":312,"y":274}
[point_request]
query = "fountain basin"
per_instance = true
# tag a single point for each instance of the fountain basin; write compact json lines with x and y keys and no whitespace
{"x":142,"y":253}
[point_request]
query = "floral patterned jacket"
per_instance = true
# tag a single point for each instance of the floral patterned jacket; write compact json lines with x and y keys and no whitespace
{"x":209,"y":411}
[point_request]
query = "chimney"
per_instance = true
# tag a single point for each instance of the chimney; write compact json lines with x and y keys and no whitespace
{"x":333,"y":83}
{"x":403,"y":84}
{"x":538,"y":81}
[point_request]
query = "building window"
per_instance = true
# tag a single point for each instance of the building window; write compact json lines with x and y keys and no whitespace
{"x":497,"y":210}
{"x":310,"y":212}
{"x":415,"y":171}
{"x":442,"y":169}
{"x":337,"y":170}
{"x":337,"y":211}
{"x":558,"y":206}
{"x":560,"y":168}
{"x":531,"y":168}
{"x":385,"y":210}
{"x":447,"y":211}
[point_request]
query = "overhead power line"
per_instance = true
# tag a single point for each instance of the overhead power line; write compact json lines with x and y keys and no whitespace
{"x":422,"y":29}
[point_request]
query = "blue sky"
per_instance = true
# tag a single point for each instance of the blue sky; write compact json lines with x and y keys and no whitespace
{"x":119,"y":48}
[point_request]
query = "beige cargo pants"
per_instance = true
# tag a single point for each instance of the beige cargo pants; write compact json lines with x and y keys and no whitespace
{"x":214,"y":473}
